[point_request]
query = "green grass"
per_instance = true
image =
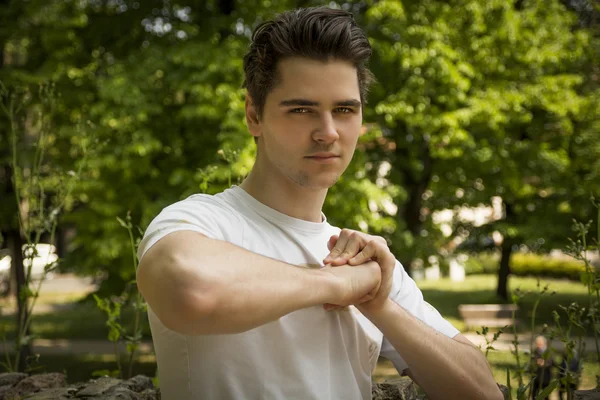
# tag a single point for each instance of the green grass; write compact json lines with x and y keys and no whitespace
{"x":446,"y":295}
{"x":85,"y":321}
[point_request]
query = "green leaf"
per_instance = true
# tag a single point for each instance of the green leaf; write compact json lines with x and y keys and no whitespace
{"x":122,"y":223}
{"x":114,"y":335}
{"x":508,"y":385}
{"x":101,"y":372}
{"x":132,"y":347}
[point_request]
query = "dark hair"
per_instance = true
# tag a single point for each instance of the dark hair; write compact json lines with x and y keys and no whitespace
{"x":318,"y":33}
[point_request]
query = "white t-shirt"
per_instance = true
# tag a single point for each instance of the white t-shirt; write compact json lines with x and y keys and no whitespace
{"x":307,"y":354}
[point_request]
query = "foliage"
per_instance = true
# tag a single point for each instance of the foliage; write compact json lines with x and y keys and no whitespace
{"x":112,"y":307}
{"x":571,"y":323}
{"x":40,"y":192}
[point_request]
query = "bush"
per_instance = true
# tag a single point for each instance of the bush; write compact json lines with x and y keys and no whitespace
{"x":482,"y":263}
{"x":536,"y":265}
{"x":526,"y":264}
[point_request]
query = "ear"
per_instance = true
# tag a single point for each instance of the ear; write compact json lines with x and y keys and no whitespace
{"x":252,"y":117}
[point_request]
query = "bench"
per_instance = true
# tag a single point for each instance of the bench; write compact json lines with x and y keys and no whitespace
{"x":490,"y":315}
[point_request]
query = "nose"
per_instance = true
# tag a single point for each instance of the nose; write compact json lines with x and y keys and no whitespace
{"x":326,"y":132}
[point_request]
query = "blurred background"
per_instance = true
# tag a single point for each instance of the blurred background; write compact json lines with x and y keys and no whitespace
{"x":480,"y":148}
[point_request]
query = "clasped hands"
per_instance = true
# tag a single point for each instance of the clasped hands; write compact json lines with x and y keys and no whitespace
{"x":368,"y":267}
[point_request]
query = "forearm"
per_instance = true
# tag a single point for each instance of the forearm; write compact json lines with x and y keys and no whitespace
{"x":204,"y":286}
{"x":443,"y":367}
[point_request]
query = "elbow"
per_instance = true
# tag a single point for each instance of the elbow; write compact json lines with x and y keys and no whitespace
{"x":190,"y":314}
{"x":181,"y":303}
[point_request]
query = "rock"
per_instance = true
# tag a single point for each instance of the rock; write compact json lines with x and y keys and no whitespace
{"x":593,"y":394}
{"x":52,"y":394}
{"x":150,"y":394}
{"x":139,"y":383}
{"x":11,"y":378}
{"x":34,"y":384}
{"x":98,"y":386}
{"x":3,"y":391}
{"x":505,"y":391}
{"x":396,"y":389}
{"x":54,"y":387}
{"x":119,"y":393}
{"x":405,"y":389}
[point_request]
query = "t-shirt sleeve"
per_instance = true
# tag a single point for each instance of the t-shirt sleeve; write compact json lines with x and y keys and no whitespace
{"x":198,"y":213}
{"x":406,"y":293}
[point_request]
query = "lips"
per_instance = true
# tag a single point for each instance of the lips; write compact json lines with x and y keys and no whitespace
{"x":323,"y":155}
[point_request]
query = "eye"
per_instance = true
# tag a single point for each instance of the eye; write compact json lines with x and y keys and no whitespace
{"x":301,"y":110}
{"x":344,"y":110}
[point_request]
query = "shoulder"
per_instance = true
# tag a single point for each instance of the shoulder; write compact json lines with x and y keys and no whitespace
{"x":210,"y":215}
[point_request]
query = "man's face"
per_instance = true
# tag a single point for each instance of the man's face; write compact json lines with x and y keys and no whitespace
{"x":310,"y":122}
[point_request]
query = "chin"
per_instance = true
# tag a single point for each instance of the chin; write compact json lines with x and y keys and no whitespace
{"x":322,"y":182}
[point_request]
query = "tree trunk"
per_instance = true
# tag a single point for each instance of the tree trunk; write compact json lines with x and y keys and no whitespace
{"x":416,"y":184}
{"x":15,"y":242}
{"x":504,"y":270}
{"x":506,"y":249}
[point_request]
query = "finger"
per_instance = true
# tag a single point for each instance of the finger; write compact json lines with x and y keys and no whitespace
{"x":332,"y":241}
{"x":369,"y":252}
{"x":340,"y":245}
{"x":353,"y":246}
{"x":365,"y":298}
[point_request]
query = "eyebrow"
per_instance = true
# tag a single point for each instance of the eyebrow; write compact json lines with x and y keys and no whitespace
{"x":310,"y":103}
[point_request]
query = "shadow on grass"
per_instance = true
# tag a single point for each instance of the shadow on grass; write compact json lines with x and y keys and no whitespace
{"x":81,"y":321}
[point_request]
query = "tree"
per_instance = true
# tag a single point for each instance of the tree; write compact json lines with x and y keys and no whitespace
{"x":479,"y":99}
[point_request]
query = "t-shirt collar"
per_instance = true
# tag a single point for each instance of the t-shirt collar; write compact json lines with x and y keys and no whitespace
{"x":277,"y":217}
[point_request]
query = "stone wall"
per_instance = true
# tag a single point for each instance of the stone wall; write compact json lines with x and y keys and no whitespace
{"x":18,"y":386}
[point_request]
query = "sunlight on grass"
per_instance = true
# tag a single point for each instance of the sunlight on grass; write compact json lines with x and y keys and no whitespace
{"x":489,"y":283}
{"x":446,"y":295}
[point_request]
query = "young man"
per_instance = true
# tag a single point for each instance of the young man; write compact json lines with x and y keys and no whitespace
{"x":247,"y":290}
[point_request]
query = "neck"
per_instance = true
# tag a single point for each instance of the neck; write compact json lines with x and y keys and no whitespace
{"x":282,"y":194}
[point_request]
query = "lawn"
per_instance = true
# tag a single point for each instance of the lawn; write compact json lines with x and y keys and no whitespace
{"x":77,"y":320}
{"x":74,"y":319}
{"x":446,"y":295}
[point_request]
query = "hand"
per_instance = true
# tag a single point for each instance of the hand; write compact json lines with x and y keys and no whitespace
{"x":355,"y":248}
{"x":540,"y":362}
{"x":356,"y":284}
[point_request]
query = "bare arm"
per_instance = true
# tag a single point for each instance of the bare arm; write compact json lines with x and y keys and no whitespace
{"x":197,"y":285}
{"x":445,"y":368}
